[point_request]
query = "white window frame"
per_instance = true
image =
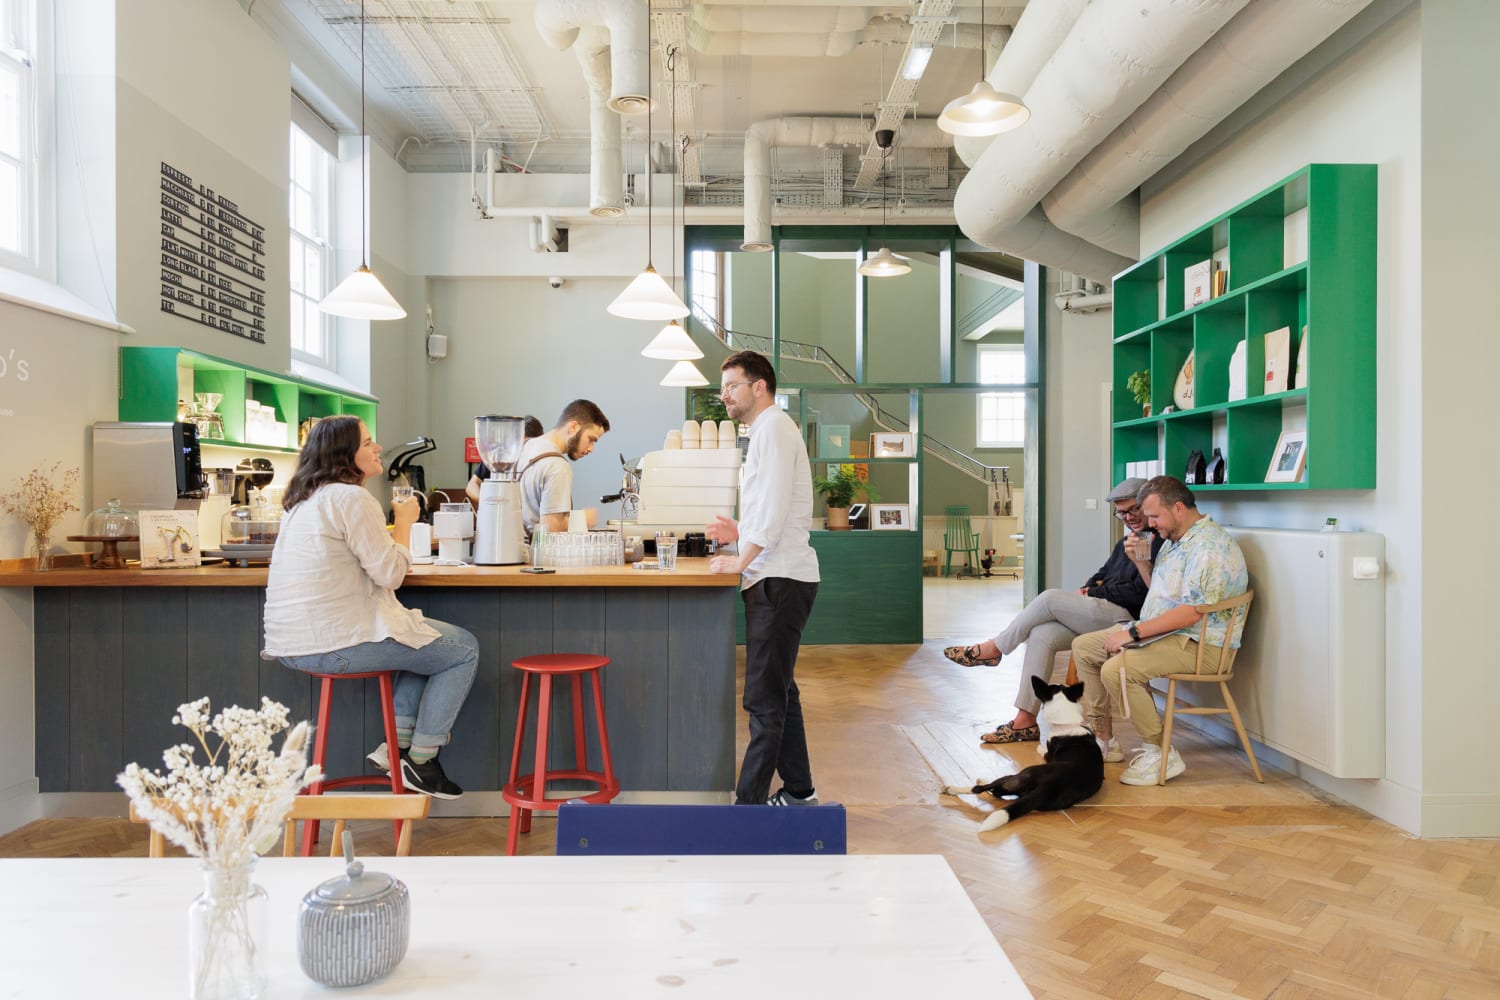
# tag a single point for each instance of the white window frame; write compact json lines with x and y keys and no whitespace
{"x":708,"y":283}
{"x":320,"y":241}
{"x":985,"y":403}
{"x":25,"y":33}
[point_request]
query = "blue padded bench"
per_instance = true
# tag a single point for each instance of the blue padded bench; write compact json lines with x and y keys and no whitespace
{"x":616,"y":828}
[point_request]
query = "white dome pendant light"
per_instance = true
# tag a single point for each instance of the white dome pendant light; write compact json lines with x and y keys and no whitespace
{"x":684,"y":375}
{"x":673,"y":342}
{"x":648,"y":296}
{"x":361,"y":295}
{"x":983,"y":110}
{"x":884,"y":264}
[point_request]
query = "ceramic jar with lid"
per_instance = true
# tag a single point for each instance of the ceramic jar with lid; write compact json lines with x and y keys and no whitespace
{"x":353,"y":928}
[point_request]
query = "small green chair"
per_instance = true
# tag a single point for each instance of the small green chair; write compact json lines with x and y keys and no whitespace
{"x":959,"y":536}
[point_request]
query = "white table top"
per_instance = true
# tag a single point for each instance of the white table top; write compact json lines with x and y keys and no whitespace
{"x":588,"y":927}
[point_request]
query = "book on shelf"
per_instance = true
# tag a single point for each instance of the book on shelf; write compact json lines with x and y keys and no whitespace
{"x":1197,"y":283}
{"x":1299,"y":378}
{"x":1278,"y":360}
{"x":1220,"y":282}
{"x":169,"y":539}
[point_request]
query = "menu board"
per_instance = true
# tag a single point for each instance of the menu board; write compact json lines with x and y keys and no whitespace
{"x":212,"y":258}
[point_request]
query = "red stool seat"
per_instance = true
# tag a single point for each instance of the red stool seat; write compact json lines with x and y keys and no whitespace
{"x":320,"y":747}
{"x":528,"y":792}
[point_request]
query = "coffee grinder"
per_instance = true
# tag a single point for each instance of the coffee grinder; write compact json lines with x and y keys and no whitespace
{"x":498,"y":536}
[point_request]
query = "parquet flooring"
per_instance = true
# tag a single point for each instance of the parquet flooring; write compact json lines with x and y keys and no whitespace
{"x":1212,"y":886}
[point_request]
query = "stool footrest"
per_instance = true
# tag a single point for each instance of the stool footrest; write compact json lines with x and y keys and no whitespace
{"x":523,"y":793}
{"x":355,"y":781}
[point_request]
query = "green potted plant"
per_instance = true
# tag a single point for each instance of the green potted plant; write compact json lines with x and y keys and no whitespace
{"x":708,"y":404}
{"x":838,"y":492}
{"x":1139,"y":386}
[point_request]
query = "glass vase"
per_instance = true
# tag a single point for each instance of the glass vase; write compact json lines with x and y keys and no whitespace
{"x":227,"y":936}
{"x":43,"y":540}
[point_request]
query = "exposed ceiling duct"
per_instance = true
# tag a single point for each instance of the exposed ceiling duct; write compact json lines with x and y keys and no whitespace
{"x":762,"y":137}
{"x":1098,"y":199}
{"x":1114,"y":58}
{"x":560,"y":21}
{"x":606,"y":171}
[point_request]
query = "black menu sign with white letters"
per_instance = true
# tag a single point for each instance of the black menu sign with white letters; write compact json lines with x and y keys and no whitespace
{"x":213,"y":267}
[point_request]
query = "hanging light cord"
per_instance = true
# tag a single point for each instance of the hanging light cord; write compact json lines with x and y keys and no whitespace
{"x":981,"y":39}
{"x":672,"y":68}
{"x":649,"y":105}
{"x":364,"y":235}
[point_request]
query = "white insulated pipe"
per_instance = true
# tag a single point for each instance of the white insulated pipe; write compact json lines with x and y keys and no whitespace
{"x":606,"y":169}
{"x":1115,"y":57}
{"x":559,"y":22}
{"x":1096,"y":201}
{"x":759,"y":140}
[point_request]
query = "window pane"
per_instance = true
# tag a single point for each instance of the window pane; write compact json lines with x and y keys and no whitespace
{"x":10,"y":109}
{"x":313,"y":329}
{"x":10,"y":208}
{"x":294,"y":264}
{"x":302,"y":211}
{"x":312,"y":272}
{"x":297,"y":322}
{"x":1000,"y":365}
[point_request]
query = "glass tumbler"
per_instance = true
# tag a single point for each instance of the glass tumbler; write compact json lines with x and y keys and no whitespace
{"x":666,"y":552}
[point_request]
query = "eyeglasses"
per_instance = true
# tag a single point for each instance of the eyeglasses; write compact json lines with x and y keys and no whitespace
{"x":1128,"y":512}
{"x":727,"y":389}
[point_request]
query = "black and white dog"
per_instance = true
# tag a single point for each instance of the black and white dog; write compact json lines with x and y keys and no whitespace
{"x":1074,"y":767}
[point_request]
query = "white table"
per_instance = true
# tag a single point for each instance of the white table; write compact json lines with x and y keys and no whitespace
{"x":857,"y":926}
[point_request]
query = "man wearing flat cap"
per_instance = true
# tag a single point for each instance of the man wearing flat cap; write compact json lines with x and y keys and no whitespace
{"x":1113,"y":593}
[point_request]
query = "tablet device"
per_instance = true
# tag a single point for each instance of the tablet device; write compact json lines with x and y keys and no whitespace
{"x":856,"y":510}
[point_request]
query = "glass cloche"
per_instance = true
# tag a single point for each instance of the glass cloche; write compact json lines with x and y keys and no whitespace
{"x":252,"y":524}
{"x":111,"y":521}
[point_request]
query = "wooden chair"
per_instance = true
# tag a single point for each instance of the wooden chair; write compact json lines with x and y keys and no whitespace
{"x":339,"y":808}
{"x":1175,"y":706}
{"x":959,"y":536}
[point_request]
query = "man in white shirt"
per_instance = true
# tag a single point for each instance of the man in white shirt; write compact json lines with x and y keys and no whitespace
{"x":780,"y":580}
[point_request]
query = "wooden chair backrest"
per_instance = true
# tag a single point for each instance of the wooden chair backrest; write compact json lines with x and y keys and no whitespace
{"x":1241,"y":608}
{"x":959,"y":532}
{"x":339,"y":808}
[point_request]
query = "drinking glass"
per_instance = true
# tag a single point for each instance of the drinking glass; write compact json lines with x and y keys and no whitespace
{"x":401,"y":493}
{"x":666,"y":553}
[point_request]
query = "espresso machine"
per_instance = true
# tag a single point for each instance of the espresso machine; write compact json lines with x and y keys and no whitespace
{"x":498,"y":536}
{"x":148,"y":466}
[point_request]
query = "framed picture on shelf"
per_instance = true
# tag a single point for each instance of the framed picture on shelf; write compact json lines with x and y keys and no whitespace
{"x":890,"y":445}
{"x":1289,"y":458}
{"x":890,"y":517}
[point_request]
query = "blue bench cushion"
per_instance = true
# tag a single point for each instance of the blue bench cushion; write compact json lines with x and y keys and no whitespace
{"x":615,"y":828}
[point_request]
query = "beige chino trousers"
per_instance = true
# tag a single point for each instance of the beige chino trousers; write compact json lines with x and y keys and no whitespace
{"x":1100,"y":673}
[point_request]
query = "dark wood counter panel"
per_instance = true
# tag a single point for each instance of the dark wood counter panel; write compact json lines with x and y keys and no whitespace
{"x":118,"y":650}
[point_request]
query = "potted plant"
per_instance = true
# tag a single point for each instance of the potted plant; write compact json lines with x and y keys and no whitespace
{"x":1139,"y":386}
{"x":838,"y":492}
{"x":709,"y":405}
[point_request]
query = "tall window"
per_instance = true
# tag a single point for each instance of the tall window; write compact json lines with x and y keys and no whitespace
{"x":1001,"y":415}
{"x":311,"y":198}
{"x":708,"y":284}
{"x":21,"y":101}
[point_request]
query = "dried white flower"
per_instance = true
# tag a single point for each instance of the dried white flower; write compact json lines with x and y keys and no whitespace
{"x":232,"y":806}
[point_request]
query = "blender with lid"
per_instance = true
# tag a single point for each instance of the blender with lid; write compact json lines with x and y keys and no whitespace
{"x":498,"y":536}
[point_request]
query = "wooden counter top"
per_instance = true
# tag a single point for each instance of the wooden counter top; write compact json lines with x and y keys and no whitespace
{"x":689,"y":573}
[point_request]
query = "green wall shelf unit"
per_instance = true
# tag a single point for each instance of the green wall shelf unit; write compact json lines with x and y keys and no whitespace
{"x":1300,"y":254}
{"x":153,"y":379}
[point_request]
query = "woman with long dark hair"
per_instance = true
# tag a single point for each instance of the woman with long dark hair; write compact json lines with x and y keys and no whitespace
{"x":331,"y":603}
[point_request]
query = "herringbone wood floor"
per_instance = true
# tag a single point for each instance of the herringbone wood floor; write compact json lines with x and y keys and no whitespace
{"x":1213,"y":886}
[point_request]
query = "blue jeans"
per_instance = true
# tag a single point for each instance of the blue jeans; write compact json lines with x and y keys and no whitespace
{"x":431,"y":682}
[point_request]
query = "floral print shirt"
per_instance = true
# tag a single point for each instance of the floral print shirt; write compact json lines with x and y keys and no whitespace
{"x":1205,"y":567}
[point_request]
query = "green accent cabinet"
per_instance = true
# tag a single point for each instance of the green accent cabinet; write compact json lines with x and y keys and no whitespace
{"x":1300,"y":255}
{"x":870,"y":592}
{"x":154,"y":379}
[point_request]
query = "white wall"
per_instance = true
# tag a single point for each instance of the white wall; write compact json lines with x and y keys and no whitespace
{"x":1370,"y":108}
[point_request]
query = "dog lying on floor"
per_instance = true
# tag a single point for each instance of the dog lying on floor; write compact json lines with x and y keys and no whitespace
{"x":1074,"y":767}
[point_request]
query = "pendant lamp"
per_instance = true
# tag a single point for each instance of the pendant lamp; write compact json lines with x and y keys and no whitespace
{"x":684,"y":375}
{"x":673,"y":342}
{"x":983,"y":110}
{"x":884,"y":264}
{"x":648,"y":296}
{"x":361,"y":295}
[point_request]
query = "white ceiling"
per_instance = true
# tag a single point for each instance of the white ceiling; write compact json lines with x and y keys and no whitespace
{"x":438,"y":69}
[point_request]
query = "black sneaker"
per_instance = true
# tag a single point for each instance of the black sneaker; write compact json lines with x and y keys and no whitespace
{"x":427,"y":778}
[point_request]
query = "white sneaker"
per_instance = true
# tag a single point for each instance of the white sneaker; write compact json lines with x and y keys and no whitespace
{"x":380,"y":758}
{"x":1145,"y":766}
{"x":1112,"y":753}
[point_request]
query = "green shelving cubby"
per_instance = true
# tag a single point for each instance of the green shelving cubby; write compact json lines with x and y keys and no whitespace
{"x":1300,"y":255}
{"x":153,"y":379}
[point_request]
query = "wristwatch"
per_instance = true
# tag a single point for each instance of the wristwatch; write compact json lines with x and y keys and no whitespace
{"x":1135,"y":631}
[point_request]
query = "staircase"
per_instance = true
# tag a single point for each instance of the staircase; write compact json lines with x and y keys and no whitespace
{"x":993,"y":476}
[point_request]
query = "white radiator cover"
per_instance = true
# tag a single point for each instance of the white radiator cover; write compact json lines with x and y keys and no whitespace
{"x":1310,"y":674}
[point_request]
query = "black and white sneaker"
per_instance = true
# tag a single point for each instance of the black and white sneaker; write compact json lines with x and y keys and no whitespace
{"x":786,"y":798}
{"x":427,"y":778}
{"x":380,"y":758}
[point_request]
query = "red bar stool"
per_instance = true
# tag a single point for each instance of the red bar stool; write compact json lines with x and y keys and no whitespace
{"x":526,"y":792}
{"x":320,"y":747}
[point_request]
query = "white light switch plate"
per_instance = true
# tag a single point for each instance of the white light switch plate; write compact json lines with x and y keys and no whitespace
{"x":1090,"y":503}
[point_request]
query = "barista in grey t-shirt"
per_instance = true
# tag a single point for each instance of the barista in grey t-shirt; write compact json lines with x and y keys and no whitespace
{"x":546,"y":472}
